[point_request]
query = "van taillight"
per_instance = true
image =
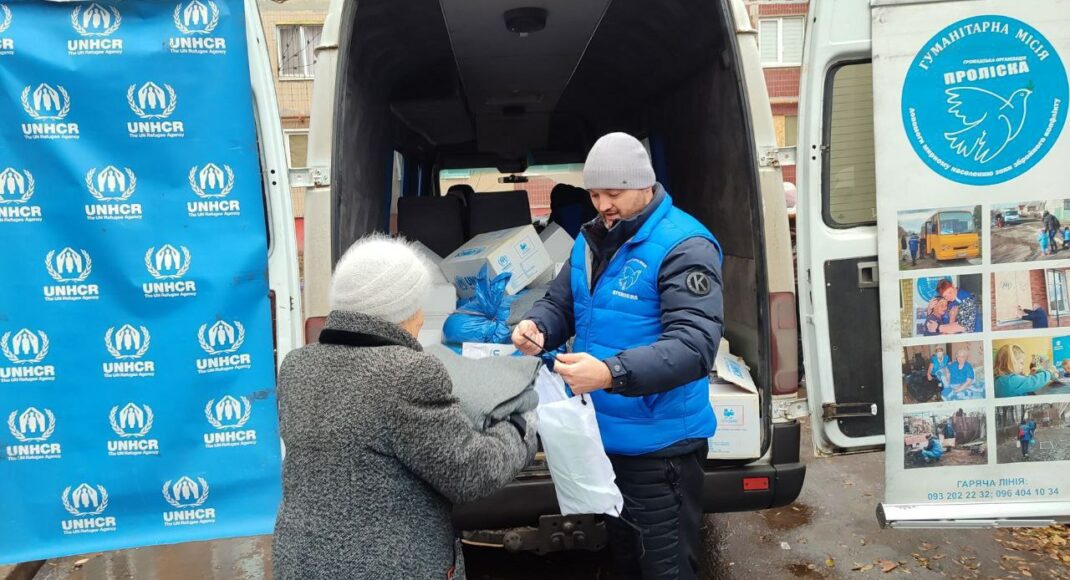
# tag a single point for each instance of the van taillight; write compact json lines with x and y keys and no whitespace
{"x":784,"y":332}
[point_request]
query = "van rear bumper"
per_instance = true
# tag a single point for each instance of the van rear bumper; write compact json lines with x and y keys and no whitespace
{"x":522,"y":502}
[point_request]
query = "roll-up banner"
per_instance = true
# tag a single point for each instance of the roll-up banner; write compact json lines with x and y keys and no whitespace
{"x":972,"y":158}
{"x":137,"y":398}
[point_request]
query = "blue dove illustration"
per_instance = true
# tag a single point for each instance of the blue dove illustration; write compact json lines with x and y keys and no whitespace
{"x":629,"y":277}
{"x":990,"y":121}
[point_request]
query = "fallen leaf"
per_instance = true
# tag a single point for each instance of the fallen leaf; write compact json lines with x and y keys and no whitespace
{"x":887,"y":565}
{"x":830,"y":562}
{"x":785,"y":546}
{"x":848,"y":483}
{"x":80,"y":563}
{"x":926,"y":546}
{"x":862,"y":567}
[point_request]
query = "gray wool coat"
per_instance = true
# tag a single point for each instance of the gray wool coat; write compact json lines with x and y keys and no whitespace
{"x":377,"y":452}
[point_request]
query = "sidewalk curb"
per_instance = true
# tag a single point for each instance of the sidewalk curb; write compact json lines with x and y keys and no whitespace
{"x":24,"y":571}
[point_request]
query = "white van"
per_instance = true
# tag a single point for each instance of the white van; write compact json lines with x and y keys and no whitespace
{"x":408,"y":94}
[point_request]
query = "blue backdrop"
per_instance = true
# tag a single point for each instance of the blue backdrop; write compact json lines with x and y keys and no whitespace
{"x":137,"y":398}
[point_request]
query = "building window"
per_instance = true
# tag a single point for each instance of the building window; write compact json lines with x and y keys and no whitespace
{"x":297,"y":50}
{"x":781,"y":40}
{"x":297,"y":148}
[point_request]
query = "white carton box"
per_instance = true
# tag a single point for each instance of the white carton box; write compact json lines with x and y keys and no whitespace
{"x":431,"y":333}
{"x":441,"y":300}
{"x":486,"y":349}
{"x":558,"y":245}
{"x":518,"y":251}
{"x":734,"y":398}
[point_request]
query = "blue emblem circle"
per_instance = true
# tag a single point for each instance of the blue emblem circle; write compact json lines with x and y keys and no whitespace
{"x":984,"y":100}
{"x":926,"y":287}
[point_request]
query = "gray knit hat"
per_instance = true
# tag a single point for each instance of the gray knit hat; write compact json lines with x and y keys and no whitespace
{"x":618,"y":161}
{"x":381,"y":277}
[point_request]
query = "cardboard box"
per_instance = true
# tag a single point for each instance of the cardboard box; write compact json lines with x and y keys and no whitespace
{"x":518,"y":251}
{"x":558,"y":245}
{"x":431,"y":333}
{"x":441,"y":300}
{"x":486,"y":349}
{"x":734,"y":398}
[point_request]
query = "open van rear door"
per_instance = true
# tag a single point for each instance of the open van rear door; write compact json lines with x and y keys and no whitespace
{"x":839,"y":309}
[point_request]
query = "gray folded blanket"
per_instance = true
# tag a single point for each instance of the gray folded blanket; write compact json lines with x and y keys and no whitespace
{"x":490,"y":389}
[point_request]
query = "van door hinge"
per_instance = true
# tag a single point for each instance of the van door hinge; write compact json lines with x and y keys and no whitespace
{"x":310,"y":177}
{"x":789,"y":409}
{"x":776,"y":156}
{"x":830,"y":411}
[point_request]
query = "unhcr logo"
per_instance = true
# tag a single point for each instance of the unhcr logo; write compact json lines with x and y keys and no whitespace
{"x":16,"y":189}
{"x":7,"y":45}
{"x":95,"y":23}
{"x":167,"y":265}
{"x":212,"y":184}
{"x":47,"y":105}
{"x":26,"y":349}
{"x":222,"y":340}
{"x":87,"y":503}
{"x":228,"y":416}
{"x":112,"y":187}
{"x":32,"y":428}
{"x":154,"y":104}
{"x":196,"y":20}
{"x":128,"y":345}
{"x":132,"y":423}
{"x":187,"y":496}
{"x":70,"y":267}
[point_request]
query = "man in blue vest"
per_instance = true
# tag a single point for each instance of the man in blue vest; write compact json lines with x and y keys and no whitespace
{"x":641,"y":294}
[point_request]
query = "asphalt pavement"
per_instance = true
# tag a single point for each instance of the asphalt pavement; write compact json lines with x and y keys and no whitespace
{"x":830,"y":532}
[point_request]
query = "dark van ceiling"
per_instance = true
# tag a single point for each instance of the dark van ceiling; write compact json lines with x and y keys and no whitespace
{"x":463,"y":83}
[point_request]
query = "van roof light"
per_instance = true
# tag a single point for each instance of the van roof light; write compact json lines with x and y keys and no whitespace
{"x":524,"y":21}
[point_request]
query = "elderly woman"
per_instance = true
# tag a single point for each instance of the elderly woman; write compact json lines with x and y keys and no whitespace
{"x":377,"y":449}
{"x":962,"y":384}
{"x":1011,"y":368}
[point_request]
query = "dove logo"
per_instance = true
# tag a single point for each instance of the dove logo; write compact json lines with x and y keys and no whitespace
{"x":128,"y":345}
{"x":47,"y":105}
{"x":222,"y":340}
{"x":132,"y":423}
{"x":228,"y":416}
{"x":16,"y":189}
{"x":7,"y":45}
{"x":187,"y":495}
{"x":111,"y":187}
{"x":168,"y":264}
{"x":196,"y":20}
{"x":629,"y":276}
{"x":984,"y":100}
{"x":94,"y":23}
{"x":32,"y":428}
{"x":730,"y":415}
{"x":154,"y":104}
{"x":70,"y":267}
{"x":212,"y":184}
{"x":86,"y":502}
{"x":26,"y":349}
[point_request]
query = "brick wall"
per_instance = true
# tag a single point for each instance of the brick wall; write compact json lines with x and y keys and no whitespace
{"x":782,"y":8}
{"x":906,"y":314}
{"x":782,"y":84}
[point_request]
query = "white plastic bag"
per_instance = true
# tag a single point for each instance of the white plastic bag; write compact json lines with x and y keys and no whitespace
{"x":583,"y":476}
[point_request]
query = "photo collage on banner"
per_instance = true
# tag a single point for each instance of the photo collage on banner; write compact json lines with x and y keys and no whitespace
{"x":136,"y":361}
{"x":977,"y":341}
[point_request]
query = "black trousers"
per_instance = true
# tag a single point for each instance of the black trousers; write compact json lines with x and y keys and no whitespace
{"x":659,"y":537}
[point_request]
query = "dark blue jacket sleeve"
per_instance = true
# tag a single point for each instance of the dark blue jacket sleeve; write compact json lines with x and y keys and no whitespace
{"x":553,"y":312}
{"x":692,"y":321}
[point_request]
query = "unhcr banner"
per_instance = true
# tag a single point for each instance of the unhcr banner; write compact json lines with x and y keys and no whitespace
{"x":970,"y":103}
{"x":137,"y":401}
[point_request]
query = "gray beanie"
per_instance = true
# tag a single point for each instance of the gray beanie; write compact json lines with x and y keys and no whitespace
{"x":381,"y":277}
{"x":618,"y":161}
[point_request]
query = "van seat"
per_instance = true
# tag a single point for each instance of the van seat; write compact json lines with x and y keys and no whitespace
{"x":462,"y":192}
{"x":436,"y":222}
{"x":498,"y":210}
{"x":571,"y":207}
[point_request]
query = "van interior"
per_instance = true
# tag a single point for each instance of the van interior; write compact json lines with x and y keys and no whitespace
{"x":454,"y":84}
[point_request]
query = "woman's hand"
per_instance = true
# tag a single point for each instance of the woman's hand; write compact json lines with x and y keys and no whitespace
{"x":525,"y":330}
{"x":952,"y":328}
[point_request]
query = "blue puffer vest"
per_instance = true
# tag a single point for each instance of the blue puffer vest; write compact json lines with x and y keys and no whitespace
{"x":624,"y":311}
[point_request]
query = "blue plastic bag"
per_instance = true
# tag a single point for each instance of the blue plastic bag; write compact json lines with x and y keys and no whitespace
{"x":483,"y":317}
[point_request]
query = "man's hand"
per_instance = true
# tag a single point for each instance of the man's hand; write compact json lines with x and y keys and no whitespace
{"x":583,"y":372}
{"x":527,"y":327}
